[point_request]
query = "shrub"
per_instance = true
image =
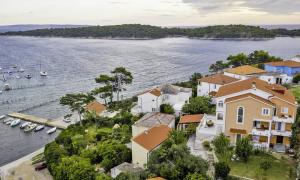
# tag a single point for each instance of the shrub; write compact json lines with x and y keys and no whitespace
{"x":221,"y":170}
{"x":265,"y":165}
{"x":206,"y":145}
{"x":191,"y":129}
{"x":166,"y":108}
{"x":296,"y":78}
{"x":244,"y":148}
{"x":221,"y":143}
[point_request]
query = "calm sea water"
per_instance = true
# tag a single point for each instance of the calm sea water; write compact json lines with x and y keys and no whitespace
{"x":72,"y":65}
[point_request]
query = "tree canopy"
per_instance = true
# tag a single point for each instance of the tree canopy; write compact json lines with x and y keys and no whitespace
{"x":147,"y":31}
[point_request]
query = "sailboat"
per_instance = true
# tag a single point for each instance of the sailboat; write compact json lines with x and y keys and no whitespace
{"x":42,"y":73}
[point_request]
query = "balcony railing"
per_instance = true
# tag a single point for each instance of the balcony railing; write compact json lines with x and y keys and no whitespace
{"x":283,"y":119}
{"x":281,"y":133}
{"x":260,"y":132}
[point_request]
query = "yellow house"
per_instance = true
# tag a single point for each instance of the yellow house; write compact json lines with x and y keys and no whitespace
{"x":254,"y":107}
{"x":144,"y":143}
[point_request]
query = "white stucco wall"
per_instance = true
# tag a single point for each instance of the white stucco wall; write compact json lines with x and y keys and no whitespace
{"x":136,"y":130}
{"x":148,"y":101}
{"x":204,"y":88}
{"x":272,"y":79}
{"x":242,"y":77}
{"x":139,"y":155}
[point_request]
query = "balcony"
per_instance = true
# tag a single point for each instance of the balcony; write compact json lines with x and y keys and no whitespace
{"x":260,"y":145}
{"x":260,"y":132}
{"x":284,"y":119}
{"x":281,"y":133}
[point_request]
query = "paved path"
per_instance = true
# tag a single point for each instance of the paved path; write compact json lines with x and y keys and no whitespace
{"x":23,"y":169}
{"x":59,"y":123}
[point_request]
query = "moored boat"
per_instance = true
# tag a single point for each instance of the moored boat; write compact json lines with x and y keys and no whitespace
{"x":28,"y":76}
{"x":43,"y":73}
{"x":25,"y":124}
{"x":40,"y":127}
{"x":30,"y":127}
{"x":2,"y":117}
{"x":7,"y":120}
{"x":15,"y":122}
{"x":52,"y":130}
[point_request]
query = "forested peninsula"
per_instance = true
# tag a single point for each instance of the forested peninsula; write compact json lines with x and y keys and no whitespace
{"x":138,"y":31}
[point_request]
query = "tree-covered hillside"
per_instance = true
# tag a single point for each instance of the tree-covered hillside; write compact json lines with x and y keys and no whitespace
{"x":152,"y":32}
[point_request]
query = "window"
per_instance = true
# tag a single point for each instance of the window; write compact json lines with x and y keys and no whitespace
{"x":240,"y":114}
{"x":215,"y":86}
{"x":220,"y":104}
{"x":284,"y":110}
{"x":265,"y":111}
{"x":238,"y":137}
{"x":153,"y":109}
{"x":220,"y":116}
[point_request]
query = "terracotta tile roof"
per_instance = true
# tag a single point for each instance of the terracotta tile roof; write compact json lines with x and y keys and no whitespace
{"x":156,"y":178}
{"x":245,"y":70}
{"x":288,"y":63}
{"x":155,"y":92}
{"x":218,"y":79}
{"x":96,"y":107}
{"x":248,"y":95}
{"x":194,"y":118}
{"x":238,"y":131}
{"x":153,"y":137}
{"x":274,"y":89}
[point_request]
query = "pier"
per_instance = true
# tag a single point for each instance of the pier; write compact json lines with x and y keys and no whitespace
{"x":59,"y":123}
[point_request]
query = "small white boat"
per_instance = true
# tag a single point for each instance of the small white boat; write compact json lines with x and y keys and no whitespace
{"x":15,"y":123}
{"x":7,"y":120}
{"x":2,"y":117}
{"x":30,"y":127}
{"x":43,"y":73}
{"x":67,"y":120}
{"x":7,"y":87}
{"x":25,"y":124}
{"x":52,"y":130}
{"x":28,"y":76}
{"x":40,"y":127}
{"x":18,"y":77}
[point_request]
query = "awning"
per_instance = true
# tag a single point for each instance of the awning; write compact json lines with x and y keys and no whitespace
{"x":238,"y":131}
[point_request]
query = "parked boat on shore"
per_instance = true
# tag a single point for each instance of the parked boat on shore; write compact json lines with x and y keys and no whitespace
{"x":25,"y":124}
{"x":39,"y":128}
{"x":2,"y":117}
{"x":15,"y":123}
{"x":7,"y":120}
{"x":52,"y":130}
{"x":30,"y":127}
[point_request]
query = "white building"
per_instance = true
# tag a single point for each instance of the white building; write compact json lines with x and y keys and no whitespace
{"x":151,"y":100}
{"x":246,"y":72}
{"x":152,"y":119}
{"x":209,"y":85}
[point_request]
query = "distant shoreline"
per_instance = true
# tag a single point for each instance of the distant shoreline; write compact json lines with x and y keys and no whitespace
{"x":133,"y":38}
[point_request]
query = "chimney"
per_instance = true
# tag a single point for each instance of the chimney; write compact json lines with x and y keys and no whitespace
{"x":254,"y":85}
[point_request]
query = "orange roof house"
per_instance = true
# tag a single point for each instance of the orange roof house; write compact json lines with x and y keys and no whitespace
{"x":144,"y":143}
{"x":245,"y":70}
{"x":96,"y":107}
{"x":287,"y":63}
{"x":189,"y":119}
{"x":218,"y":79}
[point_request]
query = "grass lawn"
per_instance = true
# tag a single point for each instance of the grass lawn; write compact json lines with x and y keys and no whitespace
{"x":280,"y":169}
{"x":296,"y":92}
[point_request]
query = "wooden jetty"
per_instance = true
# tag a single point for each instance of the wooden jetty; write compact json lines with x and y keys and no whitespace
{"x":59,"y":123}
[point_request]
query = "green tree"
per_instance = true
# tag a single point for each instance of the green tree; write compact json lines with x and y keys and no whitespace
{"x":122,"y":77}
{"x":103,"y":92}
{"x":296,"y":78}
{"x":217,"y":67}
{"x":74,"y":168}
{"x":76,"y":102}
{"x":106,"y":90}
{"x":53,"y":154}
{"x":244,"y":148}
{"x":237,"y":60}
{"x":221,"y":143}
{"x":166,"y":108}
{"x":195,"y":176}
{"x":194,"y":79}
{"x":127,"y":176}
{"x":198,"y":105}
{"x":221,"y":170}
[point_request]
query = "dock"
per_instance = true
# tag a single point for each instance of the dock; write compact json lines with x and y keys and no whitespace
{"x":59,"y":123}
